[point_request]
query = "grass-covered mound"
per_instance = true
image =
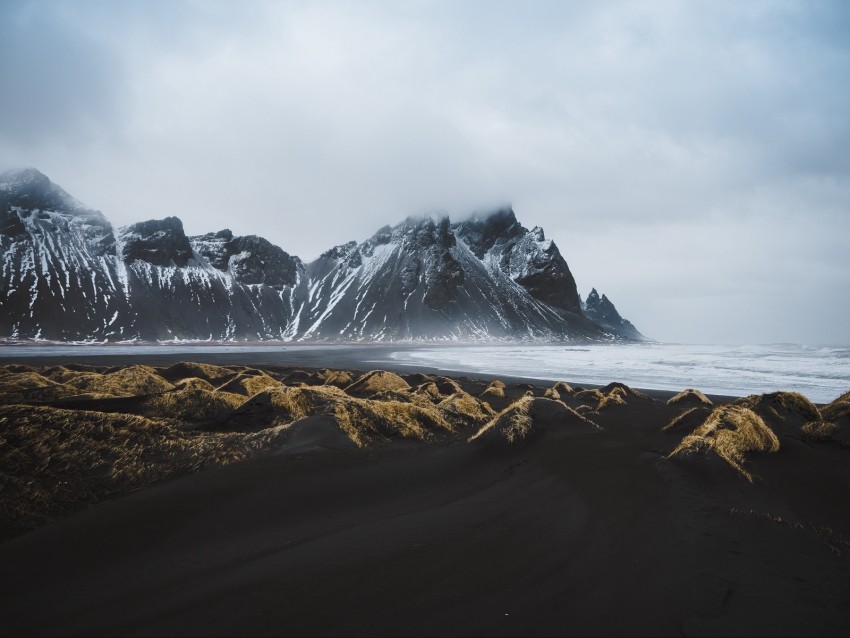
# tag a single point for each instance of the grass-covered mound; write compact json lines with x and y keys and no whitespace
{"x":730,"y":431}
{"x":495,"y":389}
{"x":626,"y":392}
{"x":687,"y":420}
{"x":214,"y":375}
{"x":54,"y":461}
{"x":790,"y":409}
{"x":596,"y":400}
{"x":690,"y":396}
{"x":792,"y":414}
{"x":249,"y":383}
{"x":32,"y":387}
{"x":526,"y":417}
{"x":128,"y":381}
{"x":838,"y":413}
{"x":364,"y":421}
{"x":376,"y":381}
{"x":819,"y":430}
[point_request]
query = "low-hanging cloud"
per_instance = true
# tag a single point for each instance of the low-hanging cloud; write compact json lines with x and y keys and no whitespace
{"x":690,"y":159}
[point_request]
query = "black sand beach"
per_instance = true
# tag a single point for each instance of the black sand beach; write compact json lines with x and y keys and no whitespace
{"x":571,"y":529}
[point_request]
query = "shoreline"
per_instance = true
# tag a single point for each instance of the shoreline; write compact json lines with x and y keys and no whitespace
{"x":353,"y":356}
{"x":346,"y":357}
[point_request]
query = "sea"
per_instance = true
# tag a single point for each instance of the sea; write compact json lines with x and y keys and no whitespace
{"x":821,"y":373}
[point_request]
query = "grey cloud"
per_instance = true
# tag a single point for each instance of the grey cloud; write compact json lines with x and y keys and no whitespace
{"x":667,"y":147}
{"x":58,"y":82}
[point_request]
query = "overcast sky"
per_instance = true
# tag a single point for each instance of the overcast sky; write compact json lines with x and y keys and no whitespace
{"x":690,"y":159}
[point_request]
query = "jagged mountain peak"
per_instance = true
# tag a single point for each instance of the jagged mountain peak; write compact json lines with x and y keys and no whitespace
{"x":481,"y":232}
{"x":17,"y":177}
{"x":425,"y":278}
{"x":531,"y":260}
{"x":29,"y":189}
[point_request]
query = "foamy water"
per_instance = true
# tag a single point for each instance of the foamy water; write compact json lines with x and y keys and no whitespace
{"x":820,"y":373}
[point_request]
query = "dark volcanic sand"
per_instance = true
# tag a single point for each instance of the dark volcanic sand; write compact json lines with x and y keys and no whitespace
{"x":573,"y":532}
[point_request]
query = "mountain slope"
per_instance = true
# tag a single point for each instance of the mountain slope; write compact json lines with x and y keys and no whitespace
{"x":68,"y":275}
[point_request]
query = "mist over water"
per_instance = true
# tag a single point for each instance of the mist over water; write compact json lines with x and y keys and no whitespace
{"x":820,"y":373}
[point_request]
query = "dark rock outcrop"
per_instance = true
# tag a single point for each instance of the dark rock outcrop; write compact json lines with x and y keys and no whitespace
{"x":526,"y":256}
{"x":251,"y":259}
{"x":160,"y":242}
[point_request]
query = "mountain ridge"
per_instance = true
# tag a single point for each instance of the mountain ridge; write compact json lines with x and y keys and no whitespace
{"x":68,"y":275}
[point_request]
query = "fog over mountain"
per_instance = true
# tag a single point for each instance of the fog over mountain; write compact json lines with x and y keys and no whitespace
{"x":690,"y":158}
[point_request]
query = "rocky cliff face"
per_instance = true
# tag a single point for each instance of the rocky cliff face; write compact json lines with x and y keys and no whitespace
{"x":527,"y":257}
{"x":67,"y":275}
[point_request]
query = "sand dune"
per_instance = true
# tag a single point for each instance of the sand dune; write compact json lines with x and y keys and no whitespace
{"x":206,"y":499}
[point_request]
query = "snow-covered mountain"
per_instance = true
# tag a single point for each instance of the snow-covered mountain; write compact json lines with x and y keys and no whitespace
{"x":67,"y":275}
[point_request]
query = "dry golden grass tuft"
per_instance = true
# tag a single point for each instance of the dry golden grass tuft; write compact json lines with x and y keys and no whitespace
{"x":121,"y":382}
{"x":31,"y":387}
{"x":616,"y":396}
{"x":338,"y":378}
{"x":687,"y":418}
{"x":588,"y":395}
{"x":249,"y":383}
{"x":364,"y":421}
{"x":579,"y":415}
{"x":376,"y":381}
{"x":690,"y":396}
{"x":17,"y":367}
{"x":844,"y":398}
{"x":495,"y":389}
{"x":447,"y":386}
{"x":837,"y":411}
{"x":60,"y":374}
{"x":368,"y":422}
{"x":194,"y":383}
{"x":625,"y":391}
{"x":465,"y":410}
{"x":403,"y":397}
{"x":731,"y":431}
{"x":562,"y":388}
{"x":191,"y":405}
{"x":552,"y":393}
{"x":514,"y":421}
{"x":613,"y":394}
{"x":818,"y":430}
{"x":430,"y":390}
{"x":782,"y":405}
{"x":216,"y":375}
{"x":55,"y":461}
